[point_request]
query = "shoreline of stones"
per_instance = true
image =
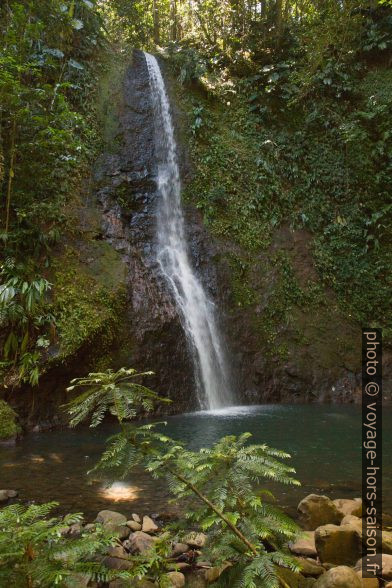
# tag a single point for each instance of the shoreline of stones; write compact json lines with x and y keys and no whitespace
{"x":329,"y":550}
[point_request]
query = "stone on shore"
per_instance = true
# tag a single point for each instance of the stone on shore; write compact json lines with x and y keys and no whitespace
{"x":134,"y":526}
{"x":5,"y":495}
{"x":309,"y":567}
{"x":338,"y":545}
{"x":339,"y":577}
{"x":148,"y":525}
{"x":177,"y":579}
{"x":315,"y":510}
{"x":304,"y":545}
{"x":179,"y":549}
{"x":139,"y":542}
{"x":117,"y":559}
{"x":349,"y":507}
{"x":194,"y":539}
{"x":368,"y":582}
{"x":386,"y":542}
{"x":114,"y":522}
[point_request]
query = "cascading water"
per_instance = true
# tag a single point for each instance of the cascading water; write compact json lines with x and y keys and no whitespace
{"x":197,"y":310}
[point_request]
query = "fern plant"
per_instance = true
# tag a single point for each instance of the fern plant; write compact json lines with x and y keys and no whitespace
{"x":222,"y":484}
{"x":110,"y":392}
{"x":35,"y":552}
{"x":223,"y":481}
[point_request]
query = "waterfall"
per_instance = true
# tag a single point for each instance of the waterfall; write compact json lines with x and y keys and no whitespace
{"x":196,"y":309}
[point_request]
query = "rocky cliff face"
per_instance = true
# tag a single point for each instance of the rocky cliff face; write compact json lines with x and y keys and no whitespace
{"x":313,"y":355}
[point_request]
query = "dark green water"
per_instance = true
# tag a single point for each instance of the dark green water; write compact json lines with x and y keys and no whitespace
{"x":324,"y":441}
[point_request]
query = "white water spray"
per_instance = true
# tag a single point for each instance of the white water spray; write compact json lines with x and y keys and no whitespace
{"x":198,"y":313}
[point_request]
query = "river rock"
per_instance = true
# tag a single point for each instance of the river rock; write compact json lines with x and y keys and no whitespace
{"x":114,"y":522}
{"x":387,"y":542}
{"x":338,"y":545}
{"x":212,"y":574}
{"x":386,"y":571}
{"x":349,"y":507}
{"x":339,"y":577}
{"x":368,"y":582}
{"x":179,"y":549}
{"x":309,"y":567}
{"x":134,"y":526}
{"x":177,"y":579}
{"x":139,"y":542}
{"x":315,"y":510}
{"x":304,"y":545}
{"x":7,"y":494}
{"x":196,"y":579}
{"x":136,"y":518}
{"x":194,"y":539}
{"x":131,"y":584}
{"x":117,"y":559}
{"x":75,"y":530}
{"x":352,"y":522}
{"x":148,"y":525}
{"x":295,"y":580}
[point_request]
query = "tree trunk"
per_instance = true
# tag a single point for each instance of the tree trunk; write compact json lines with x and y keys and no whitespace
{"x":156,"y":22}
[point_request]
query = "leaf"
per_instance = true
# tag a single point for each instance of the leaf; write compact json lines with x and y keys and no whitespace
{"x":54,"y":52}
{"x":77,"y":24}
{"x":75,"y":64}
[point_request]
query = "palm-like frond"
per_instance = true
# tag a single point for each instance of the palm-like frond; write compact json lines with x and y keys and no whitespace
{"x":110,"y":392}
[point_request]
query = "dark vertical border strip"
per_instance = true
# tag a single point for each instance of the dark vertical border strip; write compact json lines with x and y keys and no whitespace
{"x":372,"y":451}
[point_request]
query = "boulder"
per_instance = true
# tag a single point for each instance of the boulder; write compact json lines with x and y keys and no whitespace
{"x":177,"y":579}
{"x":386,"y":571}
{"x":315,"y":510}
{"x":179,"y":549}
{"x":352,"y":522}
{"x":196,"y":579}
{"x":134,"y":526}
{"x":368,"y":582}
{"x":338,"y":545}
{"x":5,"y":495}
{"x":139,"y":542}
{"x":131,"y":584}
{"x":148,"y":525}
{"x":212,"y":574}
{"x":114,"y":522}
{"x":339,"y":577}
{"x":349,"y":507}
{"x":294,"y":580}
{"x":387,"y":542}
{"x":194,"y":539}
{"x":309,"y":567}
{"x":117,"y":559}
{"x":304,"y":545}
{"x":75,"y":530}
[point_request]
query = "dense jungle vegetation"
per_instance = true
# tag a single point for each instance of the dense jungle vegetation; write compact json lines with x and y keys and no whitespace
{"x":288,"y":106}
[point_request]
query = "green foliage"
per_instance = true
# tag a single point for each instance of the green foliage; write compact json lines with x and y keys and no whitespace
{"x":110,"y":392}
{"x":25,"y":317}
{"x":8,"y":425}
{"x":86,"y":305}
{"x":221,"y":484}
{"x":34,"y":551}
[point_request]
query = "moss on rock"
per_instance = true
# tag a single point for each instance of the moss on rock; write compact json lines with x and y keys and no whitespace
{"x":8,"y":425}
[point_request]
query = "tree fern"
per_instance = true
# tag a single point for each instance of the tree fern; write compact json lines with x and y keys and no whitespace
{"x":110,"y":392}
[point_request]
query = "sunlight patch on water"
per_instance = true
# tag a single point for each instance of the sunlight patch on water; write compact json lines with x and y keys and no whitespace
{"x":120,"y":492}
